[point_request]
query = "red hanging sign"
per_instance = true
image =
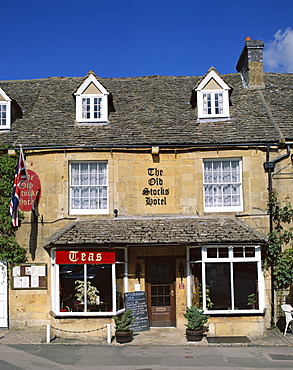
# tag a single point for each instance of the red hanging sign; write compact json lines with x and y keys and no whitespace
{"x":30,"y":192}
{"x":84,"y":257}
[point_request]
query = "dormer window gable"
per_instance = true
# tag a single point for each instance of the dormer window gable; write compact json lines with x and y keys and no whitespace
{"x":5,"y":111}
{"x":91,"y":101}
{"x":212,"y":96}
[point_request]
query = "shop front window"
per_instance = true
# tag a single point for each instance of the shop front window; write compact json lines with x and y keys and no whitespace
{"x":226,"y":279}
{"x":87,"y":286}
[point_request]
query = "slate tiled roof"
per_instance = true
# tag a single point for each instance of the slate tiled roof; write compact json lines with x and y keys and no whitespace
{"x":156,"y":230}
{"x":151,"y":110}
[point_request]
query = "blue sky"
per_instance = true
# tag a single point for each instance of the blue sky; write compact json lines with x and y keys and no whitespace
{"x":138,"y":38}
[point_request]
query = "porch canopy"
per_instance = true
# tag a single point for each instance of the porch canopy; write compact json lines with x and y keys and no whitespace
{"x":155,"y":230}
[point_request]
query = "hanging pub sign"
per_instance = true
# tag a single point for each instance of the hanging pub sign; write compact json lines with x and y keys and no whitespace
{"x":30,"y":192}
{"x":84,"y":257}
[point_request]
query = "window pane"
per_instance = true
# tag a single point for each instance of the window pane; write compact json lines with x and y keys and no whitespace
{"x":119,"y":283}
{"x":87,"y":192}
{"x":226,"y":171}
{"x":219,"y":283}
{"x":212,"y":253}
{"x":249,"y":252}
{"x":100,"y":277}
{"x":68,"y":275}
{"x":74,"y":174}
{"x":218,"y":103}
{"x":97,"y":107}
{"x":208,"y":172}
{"x":223,"y":252}
{"x":238,"y":252}
{"x":2,"y":114}
{"x":196,"y":284}
{"x":97,"y":291}
{"x":75,"y":198}
{"x":85,"y":108}
{"x":225,"y":177}
{"x":84,"y":174}
{"x":195,"y":254}
{"x":245,"y":285}
{"x":93,"y":174}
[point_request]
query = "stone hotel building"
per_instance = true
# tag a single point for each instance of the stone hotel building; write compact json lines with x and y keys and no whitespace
{"x":156,"y":184}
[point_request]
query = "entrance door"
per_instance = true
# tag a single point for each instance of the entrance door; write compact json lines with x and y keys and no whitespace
{"x":3,"y":296}
{"x":160,"y":286}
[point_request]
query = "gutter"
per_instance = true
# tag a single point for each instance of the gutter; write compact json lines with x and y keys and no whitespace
{"x":149,"y":146}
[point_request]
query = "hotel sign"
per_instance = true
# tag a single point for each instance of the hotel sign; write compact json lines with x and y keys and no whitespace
{"x":30,"y":192}
{"x":84,"y":257}
{"x":155,"y":193}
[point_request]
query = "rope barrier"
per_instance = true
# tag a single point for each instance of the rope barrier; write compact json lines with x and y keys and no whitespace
{"x":77,"y":332}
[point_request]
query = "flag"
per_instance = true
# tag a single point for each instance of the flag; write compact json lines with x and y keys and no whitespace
{"x":20,"y":176}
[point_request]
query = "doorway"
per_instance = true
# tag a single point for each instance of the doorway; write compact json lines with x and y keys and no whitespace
{"x":160,"y":290}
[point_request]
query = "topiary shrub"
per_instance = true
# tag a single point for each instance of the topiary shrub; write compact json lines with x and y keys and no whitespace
{"x":124,"y":323}
{"x":196,"y":319}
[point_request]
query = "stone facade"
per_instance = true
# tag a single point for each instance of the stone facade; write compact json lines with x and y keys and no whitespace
{"x":154,"y":217}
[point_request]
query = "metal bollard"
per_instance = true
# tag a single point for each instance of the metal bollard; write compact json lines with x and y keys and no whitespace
{"x":48,"y":334}
{"x":109,"y":334}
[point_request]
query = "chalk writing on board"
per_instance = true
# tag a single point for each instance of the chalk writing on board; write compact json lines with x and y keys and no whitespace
{"x":136,"y":301}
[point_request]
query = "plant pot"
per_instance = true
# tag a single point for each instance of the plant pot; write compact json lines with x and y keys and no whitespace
{"x":194,"y":335}
{"x":123,"y":336}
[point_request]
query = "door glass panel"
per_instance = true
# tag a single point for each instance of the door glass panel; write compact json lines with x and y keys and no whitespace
{"x":160,"y":284}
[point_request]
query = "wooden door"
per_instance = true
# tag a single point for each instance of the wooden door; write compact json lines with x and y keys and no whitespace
{"x":160,"y":286}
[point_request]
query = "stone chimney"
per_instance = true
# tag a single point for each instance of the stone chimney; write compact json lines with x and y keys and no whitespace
{"x":250,"y":64}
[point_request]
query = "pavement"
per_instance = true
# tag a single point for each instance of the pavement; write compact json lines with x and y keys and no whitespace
{"x":153,"y":337}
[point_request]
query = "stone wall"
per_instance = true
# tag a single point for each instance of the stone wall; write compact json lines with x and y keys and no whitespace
{"x":173,"y":186}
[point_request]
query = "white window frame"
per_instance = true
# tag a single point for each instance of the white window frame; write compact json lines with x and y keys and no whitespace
{"x":103,"y":95}
{"x":223,"y":89}
{"x":230,"y":259}
{"x":220,"y":185}
{"x":87,"y":211}
{"x":7,"y":104}
{"x":55,"y":288}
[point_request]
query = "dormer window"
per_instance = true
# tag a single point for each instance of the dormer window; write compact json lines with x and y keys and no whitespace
{"x":91,"y":101}
{"x":5,"y":111}
{"x":212,"y":96}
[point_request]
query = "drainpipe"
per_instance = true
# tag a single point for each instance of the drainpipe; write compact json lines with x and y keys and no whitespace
{"x":269,"y":167}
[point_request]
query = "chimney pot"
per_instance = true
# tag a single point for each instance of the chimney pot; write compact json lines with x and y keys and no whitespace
{"x":247,"y":38}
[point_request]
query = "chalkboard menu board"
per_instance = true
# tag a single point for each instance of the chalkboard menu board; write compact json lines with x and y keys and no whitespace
{"x":136,"y":302}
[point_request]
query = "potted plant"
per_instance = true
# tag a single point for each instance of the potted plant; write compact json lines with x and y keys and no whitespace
{"x":91,"y":292}
{"x":123,"y":333}
{"x":196,"y":323}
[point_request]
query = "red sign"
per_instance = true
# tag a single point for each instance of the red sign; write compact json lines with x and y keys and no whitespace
{"x":30,"y":192}
{"x":81,"y":257}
